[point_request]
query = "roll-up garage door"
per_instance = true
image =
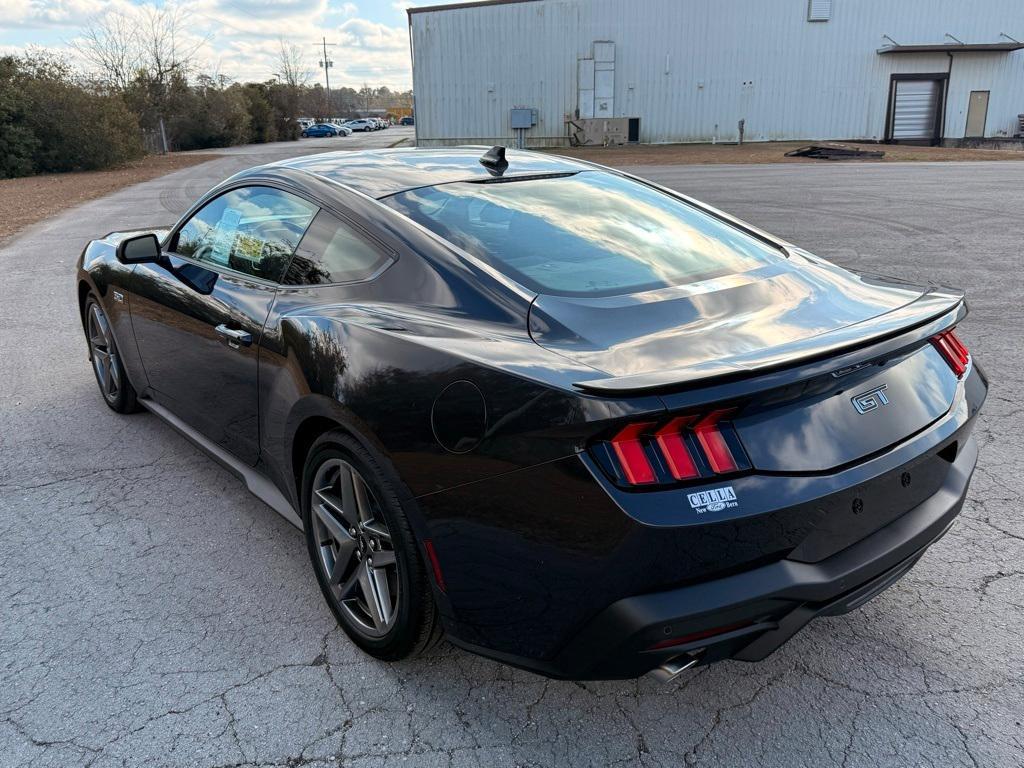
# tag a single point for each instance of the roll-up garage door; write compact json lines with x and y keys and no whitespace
{"x":915,"y":109}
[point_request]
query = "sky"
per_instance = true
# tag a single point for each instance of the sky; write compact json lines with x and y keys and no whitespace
{"x":239,"y":38}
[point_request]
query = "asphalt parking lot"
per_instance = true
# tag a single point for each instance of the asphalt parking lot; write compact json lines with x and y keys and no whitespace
{"x":154,"y":613}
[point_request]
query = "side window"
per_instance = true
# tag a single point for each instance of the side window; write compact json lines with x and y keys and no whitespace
{"x":253,"y":230}
{"x":333,"y":252}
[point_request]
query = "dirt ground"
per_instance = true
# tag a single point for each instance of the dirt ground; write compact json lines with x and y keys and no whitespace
{"x":766,"y":152}
{"x":34,"y":198}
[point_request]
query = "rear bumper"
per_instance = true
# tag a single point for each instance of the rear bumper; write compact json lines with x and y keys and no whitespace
{"x":765,"y":606}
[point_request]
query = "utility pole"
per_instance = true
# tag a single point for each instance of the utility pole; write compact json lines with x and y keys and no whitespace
{"x":326,"y":64}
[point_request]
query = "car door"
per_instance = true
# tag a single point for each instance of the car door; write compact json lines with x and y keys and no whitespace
{"x":199,"y":314}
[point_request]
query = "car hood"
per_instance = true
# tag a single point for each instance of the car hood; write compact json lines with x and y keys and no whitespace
{"x":788,"y":311}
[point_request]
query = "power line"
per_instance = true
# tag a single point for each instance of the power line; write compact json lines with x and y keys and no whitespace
{"x":327,"y":64}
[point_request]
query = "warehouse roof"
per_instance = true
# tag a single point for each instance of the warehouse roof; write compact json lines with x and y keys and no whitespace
{"x":469,"y":4}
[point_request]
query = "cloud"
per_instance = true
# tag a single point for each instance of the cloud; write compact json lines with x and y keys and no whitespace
{"x":268,"y":9}
{"x":41,"y":14}
{"x":370,"y":36}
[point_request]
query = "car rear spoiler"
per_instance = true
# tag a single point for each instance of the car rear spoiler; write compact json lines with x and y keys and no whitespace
{"x":920,"y":319}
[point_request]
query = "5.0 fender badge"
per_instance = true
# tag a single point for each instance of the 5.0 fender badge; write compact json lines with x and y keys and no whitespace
{"x":713,"y":500}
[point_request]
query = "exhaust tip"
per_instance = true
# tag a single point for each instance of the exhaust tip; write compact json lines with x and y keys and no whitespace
{"x":673,"y":668}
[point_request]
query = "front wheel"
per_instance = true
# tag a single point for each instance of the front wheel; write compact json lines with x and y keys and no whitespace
{"x":117,"y":391}
{"x":363,"y":551}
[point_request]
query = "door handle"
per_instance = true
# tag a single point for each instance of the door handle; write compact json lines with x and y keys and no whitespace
{"x":235,"y":337}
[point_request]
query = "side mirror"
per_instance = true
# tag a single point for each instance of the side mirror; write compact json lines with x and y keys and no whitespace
{"x":141,"y":249}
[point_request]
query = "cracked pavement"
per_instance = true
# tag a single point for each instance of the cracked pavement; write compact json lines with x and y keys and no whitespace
{"x":154,"y":613}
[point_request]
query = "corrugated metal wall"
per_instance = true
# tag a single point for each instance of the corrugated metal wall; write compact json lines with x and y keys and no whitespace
{"x":691,"y":69}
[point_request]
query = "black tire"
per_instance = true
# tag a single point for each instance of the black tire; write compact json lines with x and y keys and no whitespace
{"x":111,"y":377}
{"x":304,"y":135}
{"x":415,"y":625}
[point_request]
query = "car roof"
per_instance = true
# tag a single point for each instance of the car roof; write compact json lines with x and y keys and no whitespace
{"x":382,"y":172}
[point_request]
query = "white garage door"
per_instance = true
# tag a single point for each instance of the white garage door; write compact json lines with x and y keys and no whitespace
{"x":914,"y":112}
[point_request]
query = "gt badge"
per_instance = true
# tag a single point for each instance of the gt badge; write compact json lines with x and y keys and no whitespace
{"x":714,"y":500}
{"x":868,"y":401}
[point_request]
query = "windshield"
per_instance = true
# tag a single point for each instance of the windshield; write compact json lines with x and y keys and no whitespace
{"x":588,"y":234}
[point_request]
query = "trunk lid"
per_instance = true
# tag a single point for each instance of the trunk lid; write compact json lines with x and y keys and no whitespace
{"x":831,"y":422}
{"x":692,"y":334}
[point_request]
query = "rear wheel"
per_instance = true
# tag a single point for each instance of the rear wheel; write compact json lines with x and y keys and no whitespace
{"x":363,"y":551}
{"x":117,"y":391}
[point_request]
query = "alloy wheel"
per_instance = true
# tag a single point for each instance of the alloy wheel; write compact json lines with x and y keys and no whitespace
{"x":355,"y":547}
{"x":104,"y":354}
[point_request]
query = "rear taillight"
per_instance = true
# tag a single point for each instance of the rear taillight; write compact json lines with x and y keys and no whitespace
{"x":629,"y":450}
{"x":713,"y":442}
{"x":953,"y":351}
{"x":672,"y":444}
{"x":683,"y":448}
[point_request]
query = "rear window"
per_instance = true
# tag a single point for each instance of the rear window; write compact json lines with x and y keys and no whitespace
{"x":589,"y":234}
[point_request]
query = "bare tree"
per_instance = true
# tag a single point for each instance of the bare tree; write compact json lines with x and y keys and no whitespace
{"x":111,"y":46}
{"x":152,"y":42}
{"x":293,"y":66}
{"x":166,"y":48}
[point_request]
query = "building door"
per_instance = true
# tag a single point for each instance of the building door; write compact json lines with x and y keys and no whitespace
{"x":977,"y":112}
{"x":604,"y":78}
{"x":916,"y":110}
{"x":595,"y":82}
{"x":585,"y":88}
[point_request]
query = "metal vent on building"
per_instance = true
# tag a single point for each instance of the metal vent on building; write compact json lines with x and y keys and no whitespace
{"x":819,"y":10}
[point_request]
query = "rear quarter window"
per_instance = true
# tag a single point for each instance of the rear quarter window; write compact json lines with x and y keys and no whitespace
{"x":334,"y":252}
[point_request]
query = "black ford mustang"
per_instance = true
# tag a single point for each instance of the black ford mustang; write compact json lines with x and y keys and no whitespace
{"x":570,"y":419}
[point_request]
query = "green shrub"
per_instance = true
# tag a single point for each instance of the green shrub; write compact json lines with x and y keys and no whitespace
{"x":81,"y":131}
{"x":210,"y":116}
{"x":262,"y":122}
{"x":51,"y":123}
{"x":18,"y":143}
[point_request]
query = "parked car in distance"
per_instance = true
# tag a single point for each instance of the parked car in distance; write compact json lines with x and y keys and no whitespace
{"x":407,"y":121}
{"x":319,"y":130}
{"x":343,"y":130}
{"x":575,"y":421}
{"x":361,"y":124}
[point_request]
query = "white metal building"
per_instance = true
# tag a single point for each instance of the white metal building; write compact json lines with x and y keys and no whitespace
{"x":691,"y":70}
